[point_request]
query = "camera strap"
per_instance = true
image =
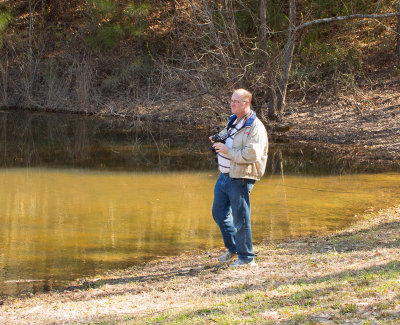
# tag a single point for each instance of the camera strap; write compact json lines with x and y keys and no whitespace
{"x":232,"y":126}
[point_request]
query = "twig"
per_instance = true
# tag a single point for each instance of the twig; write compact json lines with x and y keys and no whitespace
{"x":328,"y":20}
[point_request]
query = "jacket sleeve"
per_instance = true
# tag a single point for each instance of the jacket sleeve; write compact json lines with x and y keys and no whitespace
{"x":253,"y":148}
{"x":223,"y":133}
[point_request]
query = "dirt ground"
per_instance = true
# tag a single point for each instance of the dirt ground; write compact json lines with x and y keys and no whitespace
{"x":363,"y":123}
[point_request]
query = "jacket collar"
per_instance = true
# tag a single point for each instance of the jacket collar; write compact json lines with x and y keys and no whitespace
{"x":249,"y":121}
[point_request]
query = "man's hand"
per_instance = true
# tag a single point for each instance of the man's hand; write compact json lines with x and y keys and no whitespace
{"x":220,"y":147}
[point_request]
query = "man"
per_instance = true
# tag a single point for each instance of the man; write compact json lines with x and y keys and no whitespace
{"x":241,"y":161}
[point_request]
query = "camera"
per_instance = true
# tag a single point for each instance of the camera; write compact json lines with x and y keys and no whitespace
{"x":216,"y":138}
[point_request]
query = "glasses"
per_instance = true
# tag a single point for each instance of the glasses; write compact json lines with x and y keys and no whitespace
{"x":238,"y":101}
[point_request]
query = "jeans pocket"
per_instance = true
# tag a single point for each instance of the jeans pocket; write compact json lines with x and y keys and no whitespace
{"x":250,"y":184}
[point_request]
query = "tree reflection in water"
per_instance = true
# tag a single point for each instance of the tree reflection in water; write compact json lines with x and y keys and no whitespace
{"x":124,"y":200}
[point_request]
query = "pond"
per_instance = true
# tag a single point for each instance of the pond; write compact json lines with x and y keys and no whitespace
{"x":73,"y":208}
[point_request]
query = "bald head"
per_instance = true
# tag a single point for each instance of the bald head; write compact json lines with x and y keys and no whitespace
{"x":240,"y":102}
{"x":244,"y":94}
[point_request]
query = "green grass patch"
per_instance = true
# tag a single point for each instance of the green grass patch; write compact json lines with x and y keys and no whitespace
{"x":348,"y":308}
{"x":159,"y":319}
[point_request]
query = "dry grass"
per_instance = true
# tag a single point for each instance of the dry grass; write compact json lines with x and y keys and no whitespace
{"x":350,"y":276}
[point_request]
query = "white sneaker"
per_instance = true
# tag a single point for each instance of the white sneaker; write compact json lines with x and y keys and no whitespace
{"x":226,"y":257}
{"x":239,"y":262}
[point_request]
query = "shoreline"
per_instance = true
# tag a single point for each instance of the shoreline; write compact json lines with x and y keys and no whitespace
{"x":306,"y":136}
{"x":351,"y":275}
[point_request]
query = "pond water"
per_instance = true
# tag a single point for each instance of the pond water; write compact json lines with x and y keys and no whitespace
{"x":61,"y":223}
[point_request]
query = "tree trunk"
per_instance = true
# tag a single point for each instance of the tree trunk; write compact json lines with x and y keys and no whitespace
{"x":263,"y":30}
{"x":140,"y":34}
{"x":232,"y":31}
{"x":173,"y":10}
{"x":266,"y":97}
{"x":209,"y":9}
{"x":288,"y":58}
{"x":398,"y":36}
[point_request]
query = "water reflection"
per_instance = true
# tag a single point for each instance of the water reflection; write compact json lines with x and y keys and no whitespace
{"x":59,"y":140}
{"x":146,"y":193}
{"x":60,"y":224}
{"x":69,"y":140}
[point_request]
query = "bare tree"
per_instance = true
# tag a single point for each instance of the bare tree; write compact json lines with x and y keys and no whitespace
{"x":342,"y":18}
{"x":232,"y":31}
{"x":269,"y":90}
{"x":288,"y":57}
{"x":290,"y":44}
{"x":398,"y":36}
{"x":263,"y":30}
{"x":214,"y":33}
{"x":266,"y":73}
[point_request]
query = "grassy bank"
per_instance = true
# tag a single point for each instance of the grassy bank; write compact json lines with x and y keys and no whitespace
{"x":350,"y":276}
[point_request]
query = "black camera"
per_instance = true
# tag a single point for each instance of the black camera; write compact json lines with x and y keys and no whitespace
{"x":216,"y":138}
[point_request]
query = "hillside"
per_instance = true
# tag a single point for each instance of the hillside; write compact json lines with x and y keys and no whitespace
{"x":360,"y":125}
{"x":178,"y":61}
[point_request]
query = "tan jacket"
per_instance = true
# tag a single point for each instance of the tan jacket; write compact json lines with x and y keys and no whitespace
{"x":249,"y":150}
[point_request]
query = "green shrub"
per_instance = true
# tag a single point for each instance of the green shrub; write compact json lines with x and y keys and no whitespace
{"x":134,"y":10}
{"x":329,"y":8}
{"x":104,"y":8}
{"x":107,"y":36}
{"x":325,"y":63}
{"x":5,"y":19}
{"x":114,"y":22}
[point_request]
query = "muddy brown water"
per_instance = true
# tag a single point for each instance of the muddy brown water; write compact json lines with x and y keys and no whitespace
{"x":78,"y":205}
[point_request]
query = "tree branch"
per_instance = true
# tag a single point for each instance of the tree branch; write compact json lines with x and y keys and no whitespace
{"x":328,"y":20}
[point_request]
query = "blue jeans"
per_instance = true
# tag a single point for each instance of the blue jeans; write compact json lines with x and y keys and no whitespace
{"x":231,"y":211}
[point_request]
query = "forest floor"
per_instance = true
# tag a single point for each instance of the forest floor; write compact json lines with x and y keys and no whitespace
{"x":348,"y":277}
{"x":361,"y":123}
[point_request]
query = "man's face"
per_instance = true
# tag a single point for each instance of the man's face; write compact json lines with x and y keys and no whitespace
{"x":239,"y":106}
